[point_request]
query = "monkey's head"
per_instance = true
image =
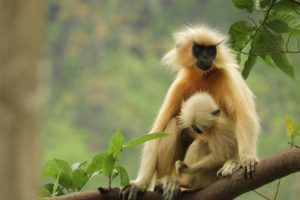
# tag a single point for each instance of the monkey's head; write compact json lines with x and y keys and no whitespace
{"x":199,"y":113}
{"x":199,"y":47}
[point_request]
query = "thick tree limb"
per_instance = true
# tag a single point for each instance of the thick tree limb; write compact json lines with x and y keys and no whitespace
{"x":268,"y":170}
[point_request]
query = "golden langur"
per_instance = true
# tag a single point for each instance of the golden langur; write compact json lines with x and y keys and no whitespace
{"x":214,"y":143}
{"x":205,"y":63}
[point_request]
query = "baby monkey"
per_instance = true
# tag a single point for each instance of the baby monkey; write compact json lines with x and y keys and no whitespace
{"x":214,"y":144}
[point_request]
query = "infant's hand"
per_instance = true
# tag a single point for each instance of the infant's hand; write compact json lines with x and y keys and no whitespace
{"x":181,"y":167}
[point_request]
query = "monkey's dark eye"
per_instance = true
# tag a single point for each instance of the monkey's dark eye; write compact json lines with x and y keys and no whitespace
{"x":212,"y":50}
{"x":216,"y":112}
{"x":197,"y":49}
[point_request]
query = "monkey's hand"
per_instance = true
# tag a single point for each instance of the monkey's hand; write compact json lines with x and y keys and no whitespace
{"x":228,"y":168}
{"x":169,"y":187}
{"x":132,"y":192}
{"x":248,"y":162}
{"x":181,"y":167}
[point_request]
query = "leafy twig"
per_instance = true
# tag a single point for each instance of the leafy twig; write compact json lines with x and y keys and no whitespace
{"x":260,"y":26}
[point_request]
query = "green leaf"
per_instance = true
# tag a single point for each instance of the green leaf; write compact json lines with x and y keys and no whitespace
{"x":286,"y":6}
{"x":258,"y":45}
{"x":64,"y":166}
{"x":115,"y":144}
{"x":49,"y":187}
{"x":65,"y":181}
{"x":289,"y":124}
{"x":249,"y":65}
{"x":124,"y":179}
{"x":278,"y":26}
{"x":144,"y":138}
{"x":50,"y":169}
{"x":80,"y":178}
{"x":264,"y":3}
{"x":108,"y":164}
{"x":283,"y":62}
{"x":44,"y":192}
{"x":268,"y":60}
{"x":96,"y":163}
{"x":240,"y":33}
{"x":244,"y":4}
{"x":287,"y":18}
{"x":273,"y":41}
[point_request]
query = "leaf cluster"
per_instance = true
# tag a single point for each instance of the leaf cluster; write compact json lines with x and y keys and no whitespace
{"x":70,"y":178}
{"x":267,"y":37}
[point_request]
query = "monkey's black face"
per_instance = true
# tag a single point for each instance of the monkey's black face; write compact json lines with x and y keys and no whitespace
{"x":205,"y":55}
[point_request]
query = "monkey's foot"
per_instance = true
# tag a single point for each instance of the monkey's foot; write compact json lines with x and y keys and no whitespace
{"x":131,"y":192}
{"x":169,"y":187}
{"x":181,"y":167}
{"x":248,"y":163}
{"x":228,"y":168}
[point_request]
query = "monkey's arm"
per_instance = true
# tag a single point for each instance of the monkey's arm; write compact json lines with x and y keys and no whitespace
{"x":208,"y":162}
{"x":241,"y":107}
{"x":150,"y":155}
{"x":171,"y":106}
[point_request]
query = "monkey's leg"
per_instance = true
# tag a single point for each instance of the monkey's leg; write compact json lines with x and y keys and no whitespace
{"x":240,"y":106}
{"x":170,"y":149}
{"x":158,"y":156}
{"x":228,"y":168}
{"x":247,"y":132}
{"x":169,"y":187}
{"x":145,"y":174}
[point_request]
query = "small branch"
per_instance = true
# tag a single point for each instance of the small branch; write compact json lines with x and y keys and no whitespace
{"x":252,"y":20}
{"x":293,"y":145}
{"x":277,"y":189}
{"x":266,"y":171}
{"x":261,"y":195}
{"x":268,"y":53}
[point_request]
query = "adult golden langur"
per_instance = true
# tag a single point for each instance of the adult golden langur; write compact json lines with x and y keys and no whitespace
{"x":205,"y":63}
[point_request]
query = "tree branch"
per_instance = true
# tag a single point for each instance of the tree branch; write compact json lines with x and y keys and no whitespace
{"x":268,"y":170}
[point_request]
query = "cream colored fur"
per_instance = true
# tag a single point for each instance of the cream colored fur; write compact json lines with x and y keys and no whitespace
{"x":211,"y":149}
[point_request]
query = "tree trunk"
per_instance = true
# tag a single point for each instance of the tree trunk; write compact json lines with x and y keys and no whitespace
{"x":20,"y":53}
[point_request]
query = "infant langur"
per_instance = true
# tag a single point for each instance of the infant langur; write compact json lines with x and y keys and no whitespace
{"x":214,"y":143}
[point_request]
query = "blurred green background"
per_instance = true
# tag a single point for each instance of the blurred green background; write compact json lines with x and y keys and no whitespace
{"x":103,"y":73}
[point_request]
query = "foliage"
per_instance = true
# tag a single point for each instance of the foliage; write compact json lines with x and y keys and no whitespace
{"x":292,"y":129}
{"x":71,"y":178}
{"x":265,"y":38}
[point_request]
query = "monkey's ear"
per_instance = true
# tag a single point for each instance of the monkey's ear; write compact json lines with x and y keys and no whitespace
{"x":216,"y":112}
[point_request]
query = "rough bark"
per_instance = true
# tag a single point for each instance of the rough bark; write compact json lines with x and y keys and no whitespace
{"x":20,"y":56}
{"x":268,"y":170}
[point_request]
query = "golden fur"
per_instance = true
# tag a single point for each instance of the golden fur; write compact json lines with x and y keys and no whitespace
{"x":211,"y":149}
{"x":223,"y":82}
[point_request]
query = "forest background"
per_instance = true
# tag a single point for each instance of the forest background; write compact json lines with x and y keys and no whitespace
{"x":104,"y":74}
